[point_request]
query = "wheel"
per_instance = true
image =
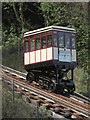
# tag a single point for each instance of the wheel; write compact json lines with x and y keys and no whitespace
{"x":72,"y":90}
{"x":41,"y":84}
{"x":52,"y":87}
{"x":30,"y":77}
{"x":61,"y":90}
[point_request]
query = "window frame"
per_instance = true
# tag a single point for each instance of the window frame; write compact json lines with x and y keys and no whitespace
{"x":39,"y":37}
{"x":59,"y":41}
{"x":53,"y":35}
{"x":33,"y":38}
{"x":48,"y":40}
{"x":46,"y":34}
{"x":71,"y":41}
{"x":26,"y":41}
{"x":41,"y":41}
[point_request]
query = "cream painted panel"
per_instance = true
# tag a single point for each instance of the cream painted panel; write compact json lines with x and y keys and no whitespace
{"x":73,"y":55}
{"x":55,"y":53}
{"x":38,"y":56}
{"x":49,"y":53}
{"x":32,"y":57}
{"x":43,"y":55}
{"x":26,"y":58}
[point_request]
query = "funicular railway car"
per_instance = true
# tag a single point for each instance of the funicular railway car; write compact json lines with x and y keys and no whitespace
{"x":49,"y":55}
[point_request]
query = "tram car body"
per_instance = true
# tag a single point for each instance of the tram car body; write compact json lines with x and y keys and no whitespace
{"x":49,"y":55}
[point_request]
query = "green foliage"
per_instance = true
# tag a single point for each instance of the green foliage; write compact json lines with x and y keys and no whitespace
{"x":19,"y":108}
{"x":21,"y":16}
{"x":43,"y":112}
{"x":54,"y":14}
{"x":12,"y":56}
{"x":82,"y":45}
{"x":81,"y":81}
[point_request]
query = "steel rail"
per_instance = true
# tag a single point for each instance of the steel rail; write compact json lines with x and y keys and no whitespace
{"x":52,"y":97}
{"x":23,"y":76}
{"x":81,"y":96}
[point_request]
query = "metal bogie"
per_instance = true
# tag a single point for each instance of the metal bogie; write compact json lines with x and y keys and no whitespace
{"x":51,"y":80}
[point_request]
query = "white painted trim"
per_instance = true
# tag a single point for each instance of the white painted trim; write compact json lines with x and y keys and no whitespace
{"x":74,"y":55}
{"x":37,"y":56}
{"x":32,"y":57}
{"x":49,"y":53}
{"x":26,"y":58}
{"x":43,"y":55}
{"x":58,"y":28}
{"x":55,"y":52}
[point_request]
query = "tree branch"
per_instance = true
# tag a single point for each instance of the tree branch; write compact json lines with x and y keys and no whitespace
{"x":16,"y":12}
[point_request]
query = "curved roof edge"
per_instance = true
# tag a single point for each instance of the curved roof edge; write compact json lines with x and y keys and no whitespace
{"x":48,"y":28}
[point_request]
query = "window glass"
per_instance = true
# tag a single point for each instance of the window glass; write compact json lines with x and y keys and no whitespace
{"x":26,"y":46}
{"x":55,"y":32}
{"x":55,"y":40}
{"x":49,"y":40}
{"x":61,"y":39}
{"x":32,"y":45}
{"x":43,"y":39}
{"x":37,"y":43}
{"x":73,"y":40}
{"x":67,"y":40}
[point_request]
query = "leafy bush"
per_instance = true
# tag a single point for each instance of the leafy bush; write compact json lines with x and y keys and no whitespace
{"x":19,"y":108}
{"x":81,"y":80}
{"x":12,"y":56}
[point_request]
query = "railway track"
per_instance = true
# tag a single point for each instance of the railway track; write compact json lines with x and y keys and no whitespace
{"x":74,"y":106}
